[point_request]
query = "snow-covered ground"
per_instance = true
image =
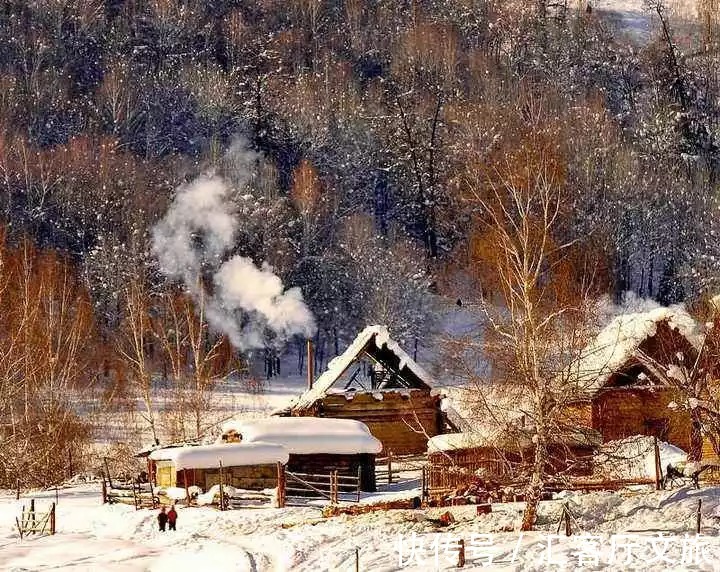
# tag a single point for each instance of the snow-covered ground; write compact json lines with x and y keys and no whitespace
{"x":614,"y":531}
{"x":634,"y":18}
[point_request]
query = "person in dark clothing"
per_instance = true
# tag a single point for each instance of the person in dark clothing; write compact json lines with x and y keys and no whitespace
{"x":172,"y":517}
{"x":162,"y":519}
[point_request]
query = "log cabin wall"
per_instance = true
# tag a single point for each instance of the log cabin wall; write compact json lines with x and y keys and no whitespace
{"x":402,"y":421}
{"x":579,"y":414}
{"x":569,"y":460}
{"x":621,"y":412}
{"x":250,"y":477}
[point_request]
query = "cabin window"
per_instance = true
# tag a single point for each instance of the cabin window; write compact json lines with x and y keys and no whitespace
{"x":629,"y":376}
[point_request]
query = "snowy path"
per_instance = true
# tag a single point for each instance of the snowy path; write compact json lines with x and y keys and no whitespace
{"x":93,"y":537}
{"x":118,"y":538}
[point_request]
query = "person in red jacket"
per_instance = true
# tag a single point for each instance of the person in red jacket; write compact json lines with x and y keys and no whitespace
{"x":162,"y":519}
{"x":172,"y":517}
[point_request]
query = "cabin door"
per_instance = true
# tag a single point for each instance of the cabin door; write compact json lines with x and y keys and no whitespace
{"x":657,"y":428}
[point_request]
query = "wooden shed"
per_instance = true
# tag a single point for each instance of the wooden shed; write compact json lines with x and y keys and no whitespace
{"x":251,"y":466}
{"x":374,"y":381}
{"x":315,"y":446}
{"x":619,"y":395}
{"x":502,"y":456}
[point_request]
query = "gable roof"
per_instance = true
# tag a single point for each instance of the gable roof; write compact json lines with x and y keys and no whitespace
{"x":620,"y":341}
{"x":376,"y":343}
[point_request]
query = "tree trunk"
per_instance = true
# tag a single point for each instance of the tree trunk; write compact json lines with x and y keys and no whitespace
{"x":535,"y":486}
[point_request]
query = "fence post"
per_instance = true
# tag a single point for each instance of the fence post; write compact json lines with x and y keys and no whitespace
{"x":566,"y":513}
{"x":390,"y":456}
{"x":280,"y":485}
{"x":17,"y":489}
{"x":107,"y":470}
{"x":187,"y":490}
{"x":104,"y":491}
{"x":698,"y":517}
{"x":222,"y":488}
{"x":333,"y":487}
{"x":658,"y":467}
{"x":52,"y":519}
{"x":57,"y":498}
{"x":461,"y":553}
{"x":425,"y":492}
{"x":32,"y":512}
{"x":357,"y":560}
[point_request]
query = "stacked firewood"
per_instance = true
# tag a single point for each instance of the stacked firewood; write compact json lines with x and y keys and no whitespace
{"x":481,"y":491}
{"x":336,"y":510}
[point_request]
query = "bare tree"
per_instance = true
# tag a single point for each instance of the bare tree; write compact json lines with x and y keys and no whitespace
{"x":46,"y":362}
{"x":539,"y":305}
{"x":132,"y":345}
{"x":170,"y":330}
{"x":204,"y":356}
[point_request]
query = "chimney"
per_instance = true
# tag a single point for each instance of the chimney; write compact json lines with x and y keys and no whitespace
{"x":310,"y":364}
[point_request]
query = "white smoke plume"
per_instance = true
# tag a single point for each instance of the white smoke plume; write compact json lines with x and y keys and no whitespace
{"x":192,"y":241}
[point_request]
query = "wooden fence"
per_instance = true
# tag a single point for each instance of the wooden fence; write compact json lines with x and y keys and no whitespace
{"x":234,"y":498}
{"x":33,"y":522}
{"x":140,"y":495}
{"x":388,"y":468}
{"x":304,"y":486}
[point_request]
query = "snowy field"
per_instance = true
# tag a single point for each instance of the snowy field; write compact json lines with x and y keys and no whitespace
{"x":636,"y":20}
{"x":614,"y":531}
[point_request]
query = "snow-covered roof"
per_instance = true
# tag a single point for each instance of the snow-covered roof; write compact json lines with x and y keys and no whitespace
{"x":145,"y":452}
{"x":338,"y":365}
{"x":488,"y":437}
{"x":515,"y":438}
{"x":620,"y":340}
{"x":230,"y":454}
{"x":308,"y":435}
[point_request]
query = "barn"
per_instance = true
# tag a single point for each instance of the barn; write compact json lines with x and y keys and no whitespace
{"x":315,"y":446}
{"x":619,"y":394}
{"x":375,"y":382}
{"x":251,"y":466}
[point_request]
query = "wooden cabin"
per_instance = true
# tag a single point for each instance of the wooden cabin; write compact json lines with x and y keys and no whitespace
{"x":375,"y":382}
{"x":619,"y":390}
{"x":315,"y":446}
{"x":251,"y":466}
{"x":502,"y":456}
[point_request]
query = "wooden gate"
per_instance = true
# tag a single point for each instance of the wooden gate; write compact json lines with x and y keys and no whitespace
{"x":332,"y":487}
{"x":32,"y":522}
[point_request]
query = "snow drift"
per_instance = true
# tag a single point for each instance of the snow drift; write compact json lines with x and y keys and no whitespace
{"x":634,"y":457}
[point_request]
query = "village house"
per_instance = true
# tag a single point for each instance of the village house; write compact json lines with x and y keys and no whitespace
{"x":250,"y":466}
{"x":315,"y":446}
{"x":617,"y":390}
{"x":374,"y":381}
